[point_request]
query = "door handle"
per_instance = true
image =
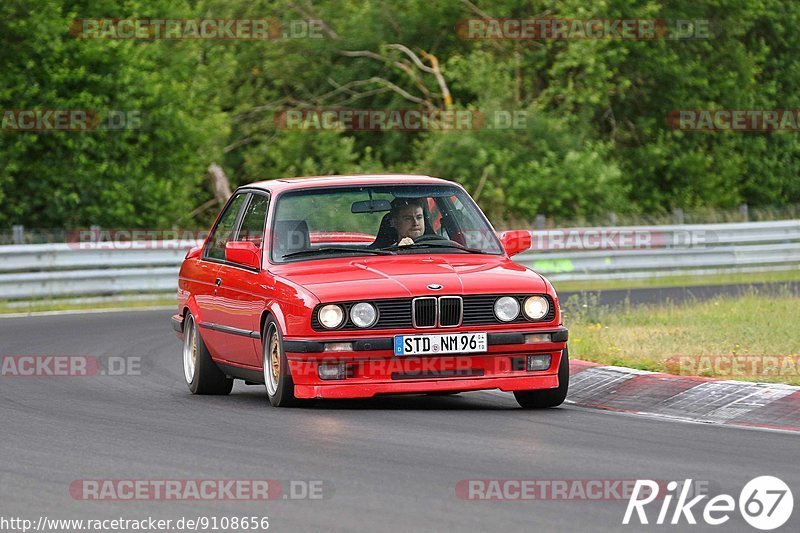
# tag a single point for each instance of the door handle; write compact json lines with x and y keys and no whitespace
{"x":218,"y":282}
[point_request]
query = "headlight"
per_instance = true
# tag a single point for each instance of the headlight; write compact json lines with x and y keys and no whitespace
{"x":331,"y":316}
{"x":506,"y":308}
{"x":536,"y":307}
{"x":363,"y":315}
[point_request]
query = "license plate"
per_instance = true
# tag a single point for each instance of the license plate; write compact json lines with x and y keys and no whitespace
{"x":439,"y":344}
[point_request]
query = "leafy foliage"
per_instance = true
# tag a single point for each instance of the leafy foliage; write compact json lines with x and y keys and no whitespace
{"x":595,"y":138}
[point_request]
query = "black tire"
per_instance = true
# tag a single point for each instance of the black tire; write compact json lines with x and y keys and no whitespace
{"x":543,"y":399}
{"x":203,"y":376}
{"x":280,"y":391}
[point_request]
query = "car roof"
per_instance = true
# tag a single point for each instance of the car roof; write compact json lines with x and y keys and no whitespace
{"x":282,"y":184}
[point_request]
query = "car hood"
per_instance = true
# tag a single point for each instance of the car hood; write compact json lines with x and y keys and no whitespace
{"x":409,"y":275}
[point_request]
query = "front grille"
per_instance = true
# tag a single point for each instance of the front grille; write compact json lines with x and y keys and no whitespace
{"x":402,"y":313}
{"x":449,"y":311}
{"x":424,"y":312}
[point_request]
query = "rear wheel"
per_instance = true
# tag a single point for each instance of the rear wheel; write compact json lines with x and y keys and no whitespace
{"x":202,"y":375}
{"x":542,"y":399}
{"x":280,"y":387}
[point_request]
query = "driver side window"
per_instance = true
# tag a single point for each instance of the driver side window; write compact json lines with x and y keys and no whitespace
{"x":253,"y":220}
{"x":223,"y":231}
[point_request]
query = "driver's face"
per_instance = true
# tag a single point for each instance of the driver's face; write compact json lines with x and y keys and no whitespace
{"x":409,"y":222}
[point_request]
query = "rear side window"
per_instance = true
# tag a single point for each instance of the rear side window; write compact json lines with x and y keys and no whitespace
{"x":223,"y":231}
{"x":254,"y":220}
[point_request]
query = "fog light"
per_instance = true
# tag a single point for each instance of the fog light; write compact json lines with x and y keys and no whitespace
{"x":534,"y":338}
{"x":538,"y":362}
{"x":338,"y":346}
{"x":336,"y":371}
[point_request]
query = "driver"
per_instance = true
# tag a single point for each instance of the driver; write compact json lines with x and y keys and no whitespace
{"x":407,"y":219}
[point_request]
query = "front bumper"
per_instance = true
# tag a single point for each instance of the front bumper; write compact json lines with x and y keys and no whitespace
{"x":372,"y":368}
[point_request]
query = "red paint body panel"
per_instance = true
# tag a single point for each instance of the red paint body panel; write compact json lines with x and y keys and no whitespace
{"x":230,"y":312}
{"x":372,"y":372}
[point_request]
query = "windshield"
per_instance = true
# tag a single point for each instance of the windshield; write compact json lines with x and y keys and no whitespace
{"x":379,"y":220}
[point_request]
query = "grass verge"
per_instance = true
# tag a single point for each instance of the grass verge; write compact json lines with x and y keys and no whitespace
{"x":753,"y":337}
{"x":80,"y":304}
{"x":680,"y":281}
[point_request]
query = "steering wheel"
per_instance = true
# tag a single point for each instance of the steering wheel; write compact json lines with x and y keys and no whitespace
{"x":428,"y":237}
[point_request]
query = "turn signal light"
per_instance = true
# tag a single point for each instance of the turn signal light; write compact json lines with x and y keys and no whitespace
{"x":535,"y":338}
{"x":338,"y":346}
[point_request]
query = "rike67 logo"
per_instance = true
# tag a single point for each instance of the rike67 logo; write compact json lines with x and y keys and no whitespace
{"x":765,"y":503}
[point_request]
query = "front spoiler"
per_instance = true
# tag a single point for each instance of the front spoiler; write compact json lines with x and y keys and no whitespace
{"x":359,"y":390}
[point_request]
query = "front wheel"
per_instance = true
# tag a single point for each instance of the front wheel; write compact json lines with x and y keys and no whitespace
{"x":542,"y":399}
{"x":202,"y":375}
{"x":280,"y":387}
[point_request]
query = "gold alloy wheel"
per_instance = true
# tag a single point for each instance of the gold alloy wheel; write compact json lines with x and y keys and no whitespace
{"x":190,"y":350}
{"x":275,"y":359}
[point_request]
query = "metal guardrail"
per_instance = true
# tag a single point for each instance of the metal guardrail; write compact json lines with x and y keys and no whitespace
{"x":637,"y":252}
{"x":75,"y":269}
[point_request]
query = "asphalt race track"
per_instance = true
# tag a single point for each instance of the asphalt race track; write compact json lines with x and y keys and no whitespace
{"x":389,"y":464}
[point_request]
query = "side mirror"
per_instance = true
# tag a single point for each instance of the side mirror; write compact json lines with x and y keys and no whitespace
{"x":194,"y":252}
{"x":244,"y":253}
{"x":516,"y":241}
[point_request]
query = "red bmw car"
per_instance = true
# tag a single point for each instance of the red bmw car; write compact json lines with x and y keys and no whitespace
{"x":354,"y":286}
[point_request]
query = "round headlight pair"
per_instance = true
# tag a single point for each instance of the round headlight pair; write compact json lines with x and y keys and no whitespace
{"x":362,"y":314}
{"x":536,"y":307}
{"x":507,"y":309}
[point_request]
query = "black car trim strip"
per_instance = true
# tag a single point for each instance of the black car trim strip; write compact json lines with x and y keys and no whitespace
{"x":360,"y":345}
{"x":303,"y":346}
{"x":238,"y":372}
{"x":230,"y":330}
{"x":387,"y":343}
{"x":498,"y":339}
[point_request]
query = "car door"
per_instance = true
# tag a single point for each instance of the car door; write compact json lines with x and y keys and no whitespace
{"x":243,"y":290}
{"x":212,"y":259}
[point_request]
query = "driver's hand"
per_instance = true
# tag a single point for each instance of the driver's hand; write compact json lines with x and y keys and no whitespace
{"x":405,"y":241}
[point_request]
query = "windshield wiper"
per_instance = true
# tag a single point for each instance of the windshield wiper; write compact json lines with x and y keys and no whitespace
{"x":332,"y":249}
{"x":414,"y":246}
